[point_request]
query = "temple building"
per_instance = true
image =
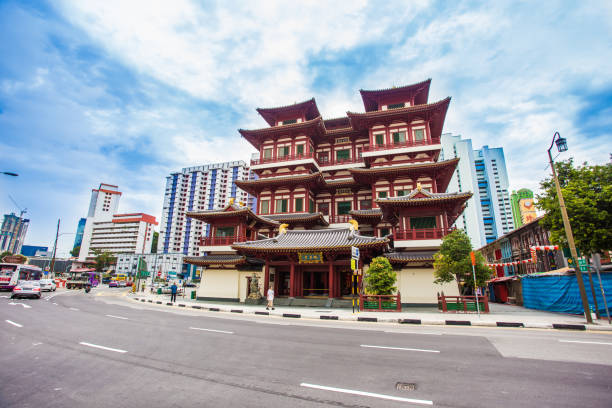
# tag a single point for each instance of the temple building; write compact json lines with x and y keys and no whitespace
{"x":370,"y":180}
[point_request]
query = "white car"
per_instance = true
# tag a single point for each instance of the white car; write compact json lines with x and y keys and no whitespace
{"x":47,"y":285}
{"x":121,"y":284}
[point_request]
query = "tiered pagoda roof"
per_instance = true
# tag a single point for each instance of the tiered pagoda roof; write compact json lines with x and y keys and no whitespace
{"x":372,"y":216}
{"x":403,"y":258}
{"x":232,"y":210}
{"x":255,"y":186}
{"x":216,"y":260}
{"x":419,"y":92}
{"x":313,"y":127}
{"x":432,"y":112}
{"x":442,"y":171}
{"x":336,"y":240}
{"x":308,"y":108}
{"x":299,"y":219}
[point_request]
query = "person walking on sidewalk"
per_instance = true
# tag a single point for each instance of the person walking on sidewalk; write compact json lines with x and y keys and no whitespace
{"x":173,"y":290}
{"x":270,"y":296}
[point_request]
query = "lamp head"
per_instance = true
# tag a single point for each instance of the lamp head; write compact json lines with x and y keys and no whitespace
{"x":561,"y":144}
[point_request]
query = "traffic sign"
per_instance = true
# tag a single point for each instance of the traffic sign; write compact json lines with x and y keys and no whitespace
{"x":583,"y":265}
{"x":354,"y":252}
{"x":354,"y":264}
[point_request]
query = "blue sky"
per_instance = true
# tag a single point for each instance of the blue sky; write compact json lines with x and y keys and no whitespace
{"x":127,"y":92}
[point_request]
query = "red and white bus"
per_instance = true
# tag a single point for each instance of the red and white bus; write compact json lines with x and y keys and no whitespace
{"x":11,"y":274}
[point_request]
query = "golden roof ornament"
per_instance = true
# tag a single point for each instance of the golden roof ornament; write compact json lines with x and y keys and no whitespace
{"x":283,"y":228}
{"x":231,"y":201}
{"x":419,"y":186}
{"x":354,"y":225}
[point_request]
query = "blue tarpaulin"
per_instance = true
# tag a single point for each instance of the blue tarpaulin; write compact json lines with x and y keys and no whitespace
{"x":559,"y":293}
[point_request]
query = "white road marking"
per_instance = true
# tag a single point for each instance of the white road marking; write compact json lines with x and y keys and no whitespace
{"x":401,"y":348}
{"x":4,"y":296}
{"x":102,"y":347}
{"x":367,"y":394}
{"x":13,"y":323}
{"x":74,"y":308}
{"x":55,"y":304}
{"x":211,"y":330}
{"x":117,"y":317}
{"x":413,"y":332}
{"x":586,"y":342}
{"x":57,"y":389}
{"x":22,"y":304}
{"x":36,"y":344}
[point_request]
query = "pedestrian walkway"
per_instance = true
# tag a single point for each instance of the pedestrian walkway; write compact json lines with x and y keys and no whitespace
{"x":500,"y":315}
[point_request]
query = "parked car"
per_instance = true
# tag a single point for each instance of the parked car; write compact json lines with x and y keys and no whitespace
{"x":26,"y":289}
{"x":121,"y":284}
{"x":190,"y":285}
{"x":47,"y":285}
{"x":112,"y":284}
{"x":106,"y":280}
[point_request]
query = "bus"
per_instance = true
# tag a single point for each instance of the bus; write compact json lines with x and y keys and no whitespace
{"x":121,"y":277}
{"x":11,"y":274}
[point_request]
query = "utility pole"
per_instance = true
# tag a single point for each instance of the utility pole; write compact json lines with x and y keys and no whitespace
{"x":54,"y":248}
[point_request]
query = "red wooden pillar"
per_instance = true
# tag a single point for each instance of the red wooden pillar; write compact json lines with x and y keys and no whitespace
{"x":331,"y":281}
{"x":292,"y":291}
{"x":266,"y":277}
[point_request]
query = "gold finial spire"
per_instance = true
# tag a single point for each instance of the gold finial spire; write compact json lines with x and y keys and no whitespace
{"x":283,"y":228}
{"x":419,"y":186}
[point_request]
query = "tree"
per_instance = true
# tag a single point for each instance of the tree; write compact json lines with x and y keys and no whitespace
{"x":453,"y":262}
{"x":103,"y":259}
{"x":587,"y":191}
{"x":5,"y":253}
{"x":154,"y":242}
{"x":75,"y":251}
{"x":381,"y":277}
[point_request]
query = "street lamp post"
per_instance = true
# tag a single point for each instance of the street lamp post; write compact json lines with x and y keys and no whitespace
{"x":9,"y":173}
{"x":562,"y":146}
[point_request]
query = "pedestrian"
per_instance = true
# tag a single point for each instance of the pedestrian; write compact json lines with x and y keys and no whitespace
{"x":173,"y":289}
{"x":270,"y":296}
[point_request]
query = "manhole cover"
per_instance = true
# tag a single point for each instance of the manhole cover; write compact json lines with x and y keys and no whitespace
{"x":402,"y":386}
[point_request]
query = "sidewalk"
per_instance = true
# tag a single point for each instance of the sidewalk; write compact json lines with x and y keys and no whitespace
{"x":500,"y":316}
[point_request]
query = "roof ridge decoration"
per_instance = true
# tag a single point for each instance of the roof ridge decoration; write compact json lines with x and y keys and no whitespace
{"x":407,"y":109}
{"x":419,"y":92}
{"x":309,"y":107}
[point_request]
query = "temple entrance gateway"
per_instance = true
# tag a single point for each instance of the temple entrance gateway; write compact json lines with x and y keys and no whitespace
{"x":315,"y":283}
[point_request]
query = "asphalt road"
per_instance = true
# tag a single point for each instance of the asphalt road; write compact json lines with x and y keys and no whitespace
{"x":101,"y":349}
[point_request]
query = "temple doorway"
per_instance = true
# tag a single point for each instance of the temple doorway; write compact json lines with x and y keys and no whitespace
{"x":282,"y":283}
{"x":346,"y":283}
{"x":315,"y":283}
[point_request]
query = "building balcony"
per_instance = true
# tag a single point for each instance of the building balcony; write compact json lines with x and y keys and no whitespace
{"x":420,"y":238}
{"x":325,"y":162}
{"x":220,"y":243}
{"x":279,"y":159}
{"x":338,"y":219}
{"x":409,"y":145}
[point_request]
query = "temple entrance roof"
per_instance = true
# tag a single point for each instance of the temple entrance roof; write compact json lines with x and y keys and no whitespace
{"x":299,"y":218}
{"x":231,"y":210}
{"x":216,"y":260}
{"x":338,"y":240}
{"x":403,"y":258}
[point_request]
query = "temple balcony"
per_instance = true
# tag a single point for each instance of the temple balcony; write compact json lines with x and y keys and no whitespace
{"x":291,"y":159}
{"x":340,"y":163}
{"x":409,"y":146}
{"x":427,"y":238}
{"x":338,"y":219}
{"x":216,"y":244}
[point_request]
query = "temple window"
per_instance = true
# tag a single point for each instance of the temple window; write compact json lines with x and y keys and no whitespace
{"x":344,"y":207}
{"x":265,"y":206}
{"x":283,"y":151}
{"x":224,"y":232}
{"x":300,"y":149}
{"x":289,"y":121}
{"x":343,"y":155}
{"x":396,"y":105}
{"x":281,"y":205}
{"x":422,"y":222}
{"x":401,"y":193}
{"x":399,"y":137}
{"x":267,"y":153}
{"x":380,"y":139}
{"x":359,"y":151}
{"x":299,"y":204}
{"x":419,"y":135}
{"x":382,"y":194}
{"x":324,"y":208}
{"x":311,"y":206}
{"x":323,"y":157}
{"x":384,"y":232}
{"x":365,"y":204}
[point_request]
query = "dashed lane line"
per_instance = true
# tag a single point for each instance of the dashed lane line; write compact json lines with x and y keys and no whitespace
{"x":22,"y":304}
{"x":211,"y":330}
{"x":117,"y":317}
{"x":74,"y":308}
{"x":13,"y":323}
{"x":400,"y":348}
{"x":102,"y":347}
{"x":367,"y":394}
{"x":586,"y":342}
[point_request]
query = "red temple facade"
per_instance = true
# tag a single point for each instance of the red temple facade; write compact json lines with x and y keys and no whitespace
{"x":371,"y":180}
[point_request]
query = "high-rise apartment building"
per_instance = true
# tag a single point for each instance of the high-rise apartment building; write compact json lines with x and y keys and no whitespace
{"x":492,"y":176}
{"x":523,"y":207}
{"x":105,"y":230}
{"x":13,"y":232}
{"x":78,"y":239}
{"x":464,"y":180}
{"x":197,"y":188}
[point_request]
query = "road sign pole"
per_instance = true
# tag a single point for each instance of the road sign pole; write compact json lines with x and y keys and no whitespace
{"x":597,"y":262}
{"x":473,"y":258}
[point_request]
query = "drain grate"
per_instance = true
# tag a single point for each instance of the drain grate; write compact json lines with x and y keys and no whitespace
{"x":402,"y":386}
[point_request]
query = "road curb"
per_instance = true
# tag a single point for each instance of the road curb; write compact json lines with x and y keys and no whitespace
{"x":401,"y":321}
